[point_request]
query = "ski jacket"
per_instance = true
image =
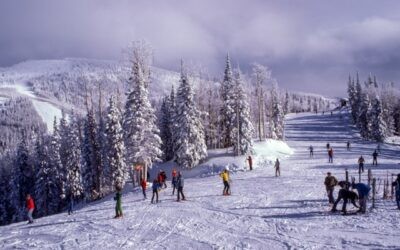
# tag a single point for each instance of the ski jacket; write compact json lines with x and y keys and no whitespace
{"x":250,"y":160}
{"x":117,"y":197}
{"x":156,"y":185}
{"x":397,"y":185}
{"x":361,"y":160}
{"x":277,"y":164}
{"x":30,"y":204}
{"x":330,"y":152}
{"x":330,"y":181}
{"x":362,"y":189}
{"x":224,"y":175}
{"x":180,"y":182}
{"x":143,"y":184}
{"x":375,"y":155}
{"x":174,"y":173}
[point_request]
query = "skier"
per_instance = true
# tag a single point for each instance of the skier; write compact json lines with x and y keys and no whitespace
{"x":174,"y":176}
{"x":345,"y":195}
{"x":396,"y":184}
{"x":361,"y":164}
{"x":363,"y":191}
{"x":70,"y":199}
{"x":375,"y":158}
{"x":330,"y":183}
{"x":143,"y":184}
{"x":179,"y":184}
{"x":155,"y":187}
{"x":277,"y":168}
{"x":250,"y":160}
{"x":118,"y":205}
{"x":30,"y":206}
{"x":162,"y":178}
{"x":328,"y":146}
{"x":311,"y":148}
{"x":330,"y":154}
{"x":348,"y":145}
{"x":225,"y":178}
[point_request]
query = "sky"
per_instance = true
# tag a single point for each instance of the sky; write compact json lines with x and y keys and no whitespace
{"x":310,"y":46}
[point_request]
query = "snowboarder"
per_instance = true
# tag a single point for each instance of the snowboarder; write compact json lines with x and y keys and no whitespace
{"x":363,"y":191}
{"x":143,"y":184}
{"x":155,"y":187}
{"x":375,"y":158}
{"x":70,"y":200}
{"x":118,"y":205}
{"x":250,"y":160}
{"x":361,"y":164}
{"x":330,"y":183}
{"x":179,"y":184}
{"x":345,"y":195}
{"x":348,"y":145}
{"x":396,"y":184}
{"x":311,"y":148}
{"x":174,"y":176}
{"x":30,"y":206}
{"x":225,"y":179}
{"x":277,"y":168}
{"x":330,"y":155}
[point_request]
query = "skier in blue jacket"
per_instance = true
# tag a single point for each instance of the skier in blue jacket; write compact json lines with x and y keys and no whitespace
{"x":363,"y":192}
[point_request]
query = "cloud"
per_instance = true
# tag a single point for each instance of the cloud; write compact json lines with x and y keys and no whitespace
{"x":309,"y":45}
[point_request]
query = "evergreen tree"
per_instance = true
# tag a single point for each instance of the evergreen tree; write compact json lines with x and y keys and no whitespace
{"x":188,"y":129}
{"x":286,"y":105}
{"x":241,"y":134}
{"x":227,"y":111}
{"x":364,"y":116}
{"x":165,"y":128}
{"x":142,"y":140}
{"x":351,"y":91}
{"x":46,"y":190}
{"x":277,"y":115}
{"x":115,"y":145}
{"x":378,"y":124}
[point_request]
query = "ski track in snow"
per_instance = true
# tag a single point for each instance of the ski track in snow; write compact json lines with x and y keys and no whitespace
{"x":263,"y":212}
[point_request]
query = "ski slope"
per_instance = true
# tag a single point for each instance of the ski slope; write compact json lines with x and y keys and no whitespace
{"x":263,"y":212}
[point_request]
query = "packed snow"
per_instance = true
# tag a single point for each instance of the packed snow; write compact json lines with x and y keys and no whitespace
{"x":263,"y":212}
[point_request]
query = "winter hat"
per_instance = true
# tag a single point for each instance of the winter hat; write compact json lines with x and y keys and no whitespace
{"x":227,"y":168}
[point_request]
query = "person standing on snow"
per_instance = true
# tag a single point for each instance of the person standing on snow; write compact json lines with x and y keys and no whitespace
{"x":118,"y":204}
{"x":155,"y":187}
{"x":375,"y":158}
{"x":330,"y":183}
{"x":179,"y":184}
{"x":277,"y":168}
{"x":174,"y":177}
{"x":250,"y":160}
{"x":348,"y":145}
{"x":330,"y":155}
{"x":225,"y":179}
{"x":143,"y":184}
{"x":363,"y":191}
{"x":30,"y":206}
{"x":396,"y":184}
{"x":361,"y":164}
{"x":70,"y":200}
{"x":311,"y":148}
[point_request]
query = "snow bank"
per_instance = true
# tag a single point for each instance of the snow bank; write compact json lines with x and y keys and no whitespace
{"x":265,"y":155}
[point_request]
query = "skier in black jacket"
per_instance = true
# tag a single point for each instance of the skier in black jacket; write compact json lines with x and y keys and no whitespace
{"x":345,"y":195}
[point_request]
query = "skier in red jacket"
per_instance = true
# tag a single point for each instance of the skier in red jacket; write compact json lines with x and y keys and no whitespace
{"x":30,"y":206}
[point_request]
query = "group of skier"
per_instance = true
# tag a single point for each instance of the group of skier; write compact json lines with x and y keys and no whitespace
{"x":346,"y":194}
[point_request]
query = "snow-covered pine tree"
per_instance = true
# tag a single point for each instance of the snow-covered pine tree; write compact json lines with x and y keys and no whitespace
{"x":91,"y":169}
{"x":26,"y":173}
{"x":115,"y":146}
{"x":364,"y":119}
{"x":55,"y":161}
{"x":277,"y":114}
{"x":5,"y":190}
{"x":188,"y":130}
{"x":71,"y":156}
{"x":46,"y":190}
{"x":227,"y":111}
{"x":378,"y":124}
{"x":358,"y":100}
{"x":141,"y":135}
{"x":165,"y":119}
{"x":242,"y":133}
{"x":351,"y":91}
{"x":286,"y":105}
